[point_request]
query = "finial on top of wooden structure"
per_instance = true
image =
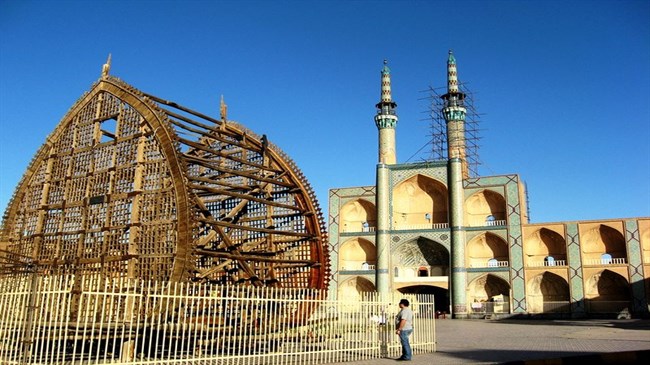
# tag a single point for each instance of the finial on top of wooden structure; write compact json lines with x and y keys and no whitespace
{"x":223,"y":109}
{"x":106,"y":68}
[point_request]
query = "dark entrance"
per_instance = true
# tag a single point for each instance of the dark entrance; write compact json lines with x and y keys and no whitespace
{"x":441,"y":296}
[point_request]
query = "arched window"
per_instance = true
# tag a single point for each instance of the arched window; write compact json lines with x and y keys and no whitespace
{"x":364,"y":266}
{"x":606,"y":259}
{"x":396,"y":270}
{"x":490,"y":220}
{"x":549,"y":261}
{"x":422,"y":271}
{"x":493,"y":263}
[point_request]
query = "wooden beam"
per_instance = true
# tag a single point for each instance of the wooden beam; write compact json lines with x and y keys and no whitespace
{"x":242,"y":196}
{"x":257,"y":258}
{"x":217,"y":223}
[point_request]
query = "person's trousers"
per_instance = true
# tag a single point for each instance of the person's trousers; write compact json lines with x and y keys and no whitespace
{"x":407,"y":353}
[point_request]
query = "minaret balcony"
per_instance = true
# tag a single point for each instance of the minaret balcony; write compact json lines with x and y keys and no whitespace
{"x":385,"y":121}
{"x":454,"y":113}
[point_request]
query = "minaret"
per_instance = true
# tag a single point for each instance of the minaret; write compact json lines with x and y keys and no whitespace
{"x":454,"y":112}
{"x":386,"y":120}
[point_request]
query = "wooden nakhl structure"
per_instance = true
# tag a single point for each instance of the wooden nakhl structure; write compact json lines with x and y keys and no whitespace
{"x":129,"y":185}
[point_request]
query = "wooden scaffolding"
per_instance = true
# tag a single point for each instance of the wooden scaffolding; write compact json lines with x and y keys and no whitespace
{"x":129,"y":185}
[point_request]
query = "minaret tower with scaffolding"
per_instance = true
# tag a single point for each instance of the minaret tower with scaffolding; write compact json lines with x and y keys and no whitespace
{"x":454,"y":113}
{"x":386,"y":121}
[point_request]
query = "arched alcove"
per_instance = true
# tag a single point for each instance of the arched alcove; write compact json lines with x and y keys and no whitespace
{"x":488,"y":288}
{"x":547,"y":292}
{"x":485,"y":208}
{"x":358,"y":216}
{"x":607,"y":291}
{"x":355,"y":252}
{"x":419,"y":201}
{"x":354,"y":288}
{"x":603,"y":239}
{"x":543,"y":247}
{"x":411,"y":258}
{"x":486,"y":247}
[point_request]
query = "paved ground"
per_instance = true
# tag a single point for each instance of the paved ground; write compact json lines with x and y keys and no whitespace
{"x":535,"y":342}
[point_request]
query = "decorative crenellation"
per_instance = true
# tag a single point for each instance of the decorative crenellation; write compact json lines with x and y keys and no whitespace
{"x":454,"y":113}
{"x":385,"y":121}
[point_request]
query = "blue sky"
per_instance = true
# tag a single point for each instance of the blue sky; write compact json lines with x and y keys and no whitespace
{"x":563,"y":86}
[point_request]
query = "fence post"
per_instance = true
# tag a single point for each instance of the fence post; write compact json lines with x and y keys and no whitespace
{"x":27,"y":338}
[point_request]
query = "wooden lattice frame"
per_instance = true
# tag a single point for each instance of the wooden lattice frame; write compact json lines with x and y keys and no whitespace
{"x":130,"y":185}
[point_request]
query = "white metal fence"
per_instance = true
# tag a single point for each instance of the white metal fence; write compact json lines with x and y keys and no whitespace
{"x":68,"y":320}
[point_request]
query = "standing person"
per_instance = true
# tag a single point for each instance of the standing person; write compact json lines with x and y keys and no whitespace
{"x":404,"y":328}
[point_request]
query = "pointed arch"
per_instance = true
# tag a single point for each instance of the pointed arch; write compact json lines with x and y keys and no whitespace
{"x":358,"y":216}
{"x":603,"y":239}
{"x":486,"y":287}
{"x":355,"y":252}
{"x":544,"y":246}
{"x":353,"y":288}
{"x":485,"y":208}
{"x":547,"y":292}
{"x":485,"y":247}
{"x":419,"y":200}
{"x":411,"y":257}
{"x":607,"y":291}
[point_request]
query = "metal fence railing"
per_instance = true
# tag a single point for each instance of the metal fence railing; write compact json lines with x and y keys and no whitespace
{"x":71,"y":320}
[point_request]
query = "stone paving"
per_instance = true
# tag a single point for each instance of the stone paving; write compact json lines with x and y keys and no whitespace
{"x":535,"y":342}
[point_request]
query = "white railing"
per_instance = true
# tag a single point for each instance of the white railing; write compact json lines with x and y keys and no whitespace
{"x":488,"y":263}
{"x":495,"y":223}
{"x":488,"y":307}
{"x":612,"y":261}
{"x":400,"y":226}
{"x":355,"y":230}
{"x":68,"y":320}
{"x":362,"y":267}
{"x":546,"y":263}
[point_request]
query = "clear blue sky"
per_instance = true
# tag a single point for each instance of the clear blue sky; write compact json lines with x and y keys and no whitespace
{"x":563,"y":86}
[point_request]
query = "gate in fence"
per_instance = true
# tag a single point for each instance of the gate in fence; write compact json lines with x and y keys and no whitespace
{"x":60,"y":320}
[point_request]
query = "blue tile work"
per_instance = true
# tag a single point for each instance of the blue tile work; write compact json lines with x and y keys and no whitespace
{"x":635,"y":266}
{"x":515,"y":240}
{"x":338,"y":198}
{"x":436,"y":170}
{"x":575,"y":270}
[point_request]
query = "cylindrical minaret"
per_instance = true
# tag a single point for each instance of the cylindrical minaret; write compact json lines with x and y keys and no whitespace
{"x":386,"y":120}
{"x":454,"y":112}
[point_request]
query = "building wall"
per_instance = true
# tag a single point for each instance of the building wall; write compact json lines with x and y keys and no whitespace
{"x":540,"y":268}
